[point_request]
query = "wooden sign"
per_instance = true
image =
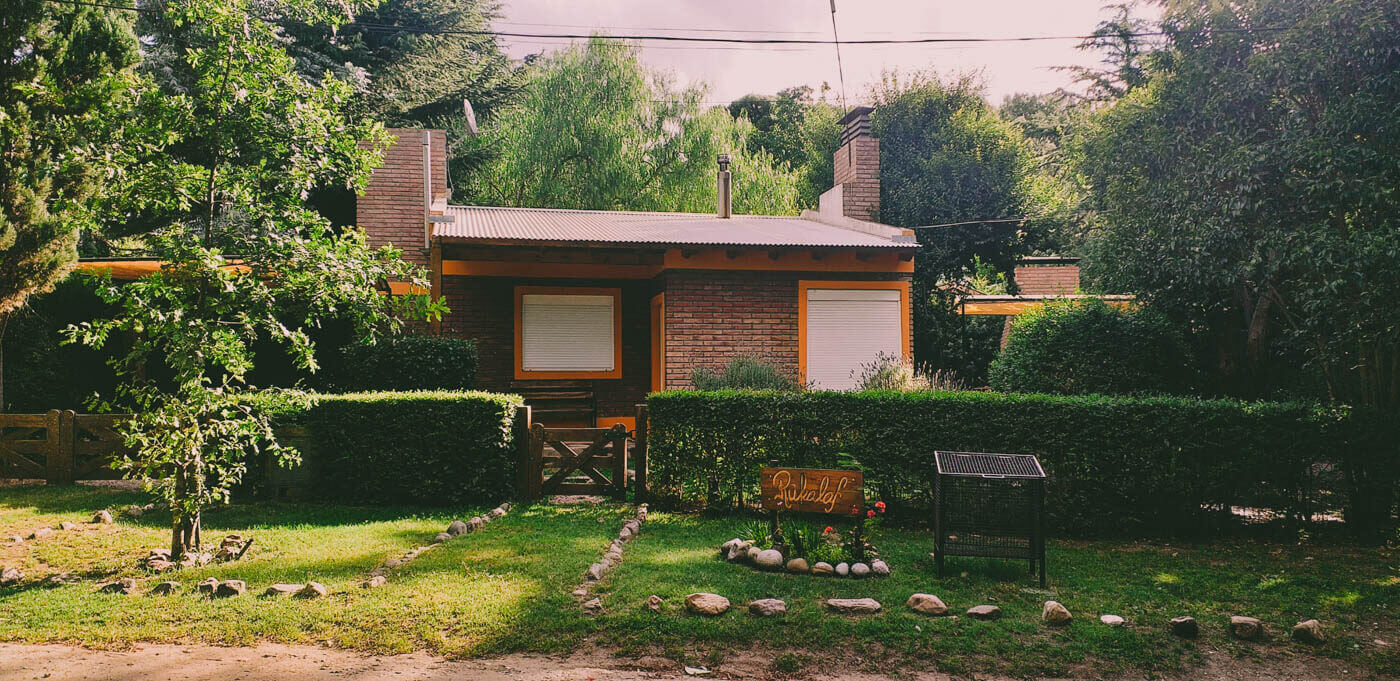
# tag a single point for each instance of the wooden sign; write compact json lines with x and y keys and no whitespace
{"x":811,"y":490}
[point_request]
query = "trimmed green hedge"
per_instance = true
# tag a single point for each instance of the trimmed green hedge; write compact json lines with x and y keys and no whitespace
{"x":1116,"y":465}
{"x":407,"y":363}
{"x":1084,"y":347}
{"x":415,"y":448}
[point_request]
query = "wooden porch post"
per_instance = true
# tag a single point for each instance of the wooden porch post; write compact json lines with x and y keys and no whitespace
{"x":524,"y":469}
{"x":58,"y":461}
{"x":536,"y":459}
{"x":639,"y":462}
{"x":619,"y":479}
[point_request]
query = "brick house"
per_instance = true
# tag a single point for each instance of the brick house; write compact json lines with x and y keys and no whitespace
{"x":586,"y":311}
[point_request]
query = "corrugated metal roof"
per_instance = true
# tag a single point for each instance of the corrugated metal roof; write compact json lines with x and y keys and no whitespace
{"x":673,"y":229}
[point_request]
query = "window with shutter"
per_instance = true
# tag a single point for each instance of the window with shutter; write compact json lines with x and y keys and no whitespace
{"x":847,"y":324}
{"x":567,"y":333}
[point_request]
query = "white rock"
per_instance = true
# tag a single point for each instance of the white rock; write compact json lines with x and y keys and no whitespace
{"x":706,"y":604}
{"x":823,"y":569}
{"x":1055,"y":614}
{"x":313,"y":590}
{"x":842,"y":569}
{"x":860,"y":570}
{"x":1111,"y":620}
{"x":769,"y":559}
{"x":984,"y":612}
{"x":853,"y":606}
{"x":880,"y":568}
{"x":927,"y":604}
{"x":767,"y":607}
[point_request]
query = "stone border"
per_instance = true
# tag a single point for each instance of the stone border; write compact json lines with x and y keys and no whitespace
{"x":379,"y":576}
{"x":611,"y":559}
{"x":744,"y":552}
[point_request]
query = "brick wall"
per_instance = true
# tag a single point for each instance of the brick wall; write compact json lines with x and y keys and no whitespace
{"x":1060,"y":279}
{"x":391,"y":210}
{"x":857,"y":168}
{"x":483,"y":308}
{"x":712,"y":317}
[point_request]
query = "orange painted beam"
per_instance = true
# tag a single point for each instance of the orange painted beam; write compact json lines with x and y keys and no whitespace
{"x":1008,"y":306}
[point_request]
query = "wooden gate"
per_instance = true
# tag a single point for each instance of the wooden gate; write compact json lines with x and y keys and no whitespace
{"x":60,"y":446}
{"x":577,"y":461}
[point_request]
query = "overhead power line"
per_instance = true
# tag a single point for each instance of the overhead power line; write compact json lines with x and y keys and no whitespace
{"x":430,"y":30}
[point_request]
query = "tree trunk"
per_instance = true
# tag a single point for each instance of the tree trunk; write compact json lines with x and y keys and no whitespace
{"x":4,"y":320}
{"x":184,"y":537}
{"x":184,"y":531}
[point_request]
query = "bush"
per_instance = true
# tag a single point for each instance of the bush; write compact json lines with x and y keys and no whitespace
{"x":745,"y":372}
{"x":1083,"y":347}
{"x":408,"y":363}
{"x":416,"y":448}
{"x":1116,"y":465}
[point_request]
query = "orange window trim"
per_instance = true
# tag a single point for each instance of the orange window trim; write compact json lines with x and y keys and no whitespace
{"x":804,"y":286}
{"x":522,"y":291}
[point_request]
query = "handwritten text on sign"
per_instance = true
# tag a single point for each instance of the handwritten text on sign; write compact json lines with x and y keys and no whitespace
{"x":810,"y":490}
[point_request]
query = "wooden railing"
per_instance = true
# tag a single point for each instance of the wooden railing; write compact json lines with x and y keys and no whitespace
{"x":60,"y":447}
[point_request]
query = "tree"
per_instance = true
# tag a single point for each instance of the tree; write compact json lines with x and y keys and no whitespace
{"x":236,"y":141}
{"x":797,"y":130}
{"x":946,"y":157}
{"x":404,"y":76}
{"x":1127,"y":55}
{"x":1248,"y":189}
{"x":596,"y":129}
{"x":63,"y":79}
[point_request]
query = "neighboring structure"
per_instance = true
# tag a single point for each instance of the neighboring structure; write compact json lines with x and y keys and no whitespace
{"x":586,"y":311}
{"x":1039,"y":279}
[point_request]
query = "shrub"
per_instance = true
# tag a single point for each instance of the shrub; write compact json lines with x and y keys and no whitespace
{"x":408,"y":363}
{"x":435,"y":448}
{"x":745,"y":372}
{"x":1116,"y":464}
{"x":1083,"y":347}
{"x":894,"y":372}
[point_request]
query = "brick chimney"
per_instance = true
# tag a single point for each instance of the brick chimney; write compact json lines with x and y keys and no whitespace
{"x":856,"y":193}
{"x":395,"y":207}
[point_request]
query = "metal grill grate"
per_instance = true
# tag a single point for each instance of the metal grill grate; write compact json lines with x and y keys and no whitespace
{"x":990,"y":506}
{"x":989,"y":465}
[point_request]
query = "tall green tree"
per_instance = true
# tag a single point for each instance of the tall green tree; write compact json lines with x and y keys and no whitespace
{"x":234,"y":140}
{"x":405,"y":75}
{"x":64,"y":75}
{"x":947,"y":157}
{"x":596,"y":129}
{"x":797,"y":129}
{"x":1249,"y":189}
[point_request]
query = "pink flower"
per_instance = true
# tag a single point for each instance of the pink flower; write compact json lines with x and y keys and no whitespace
{"x":855,"y":511}
{"x":880,"y":505}
{"x":828,"y":530}
{"x":870,"y":514}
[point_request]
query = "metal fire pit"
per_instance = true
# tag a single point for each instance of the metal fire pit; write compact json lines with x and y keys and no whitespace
{"x":990,"y":506}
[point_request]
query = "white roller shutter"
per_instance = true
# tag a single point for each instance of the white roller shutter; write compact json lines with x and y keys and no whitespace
{"x":566,"y":332}
{"x":847,"y":328}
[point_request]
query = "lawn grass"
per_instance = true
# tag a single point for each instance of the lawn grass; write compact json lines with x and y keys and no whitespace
{"x":506,"y":589}
{"x":1353,"y":589}
{"x":497,"y":590}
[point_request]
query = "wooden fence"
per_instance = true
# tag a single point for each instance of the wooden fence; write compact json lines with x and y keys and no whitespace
{"x":582,"y":460}
{"x":60,"y":447}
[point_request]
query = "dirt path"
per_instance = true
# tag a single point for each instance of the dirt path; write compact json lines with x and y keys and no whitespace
{"x":303,"y":663}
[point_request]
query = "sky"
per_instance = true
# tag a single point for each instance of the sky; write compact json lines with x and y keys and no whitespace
{"x":735,"y":70}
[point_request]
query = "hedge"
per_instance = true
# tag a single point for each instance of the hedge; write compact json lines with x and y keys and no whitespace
{"x":415,"y":448}
{"x":1082,"y":347}
{"x":1116,"y":465}
{"x":407,"y":363}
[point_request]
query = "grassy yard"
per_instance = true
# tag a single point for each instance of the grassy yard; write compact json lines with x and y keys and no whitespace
{"x":507,"y":588}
